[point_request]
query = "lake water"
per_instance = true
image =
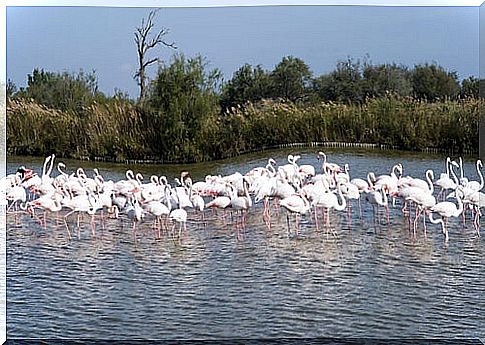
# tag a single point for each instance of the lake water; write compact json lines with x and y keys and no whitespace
{"x":372,"y":280}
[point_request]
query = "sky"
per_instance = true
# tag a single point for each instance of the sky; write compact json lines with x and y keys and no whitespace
{"x":101,"y":38}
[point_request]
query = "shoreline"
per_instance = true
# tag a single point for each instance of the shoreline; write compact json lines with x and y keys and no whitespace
{"x":354,"y":147}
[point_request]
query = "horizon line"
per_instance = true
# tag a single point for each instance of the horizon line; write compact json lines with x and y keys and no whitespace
{"x":240,"y":3}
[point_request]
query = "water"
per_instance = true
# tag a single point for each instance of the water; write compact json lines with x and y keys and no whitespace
{"x":373,"y":280}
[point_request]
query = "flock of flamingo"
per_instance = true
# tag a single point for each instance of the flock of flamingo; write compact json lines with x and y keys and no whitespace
{"x":298,"y":189}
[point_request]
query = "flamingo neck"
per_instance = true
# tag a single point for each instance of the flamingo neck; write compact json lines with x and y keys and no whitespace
{"x":167,"y":197}
{"x":430,"y":183}
{"x":480,"y":174}
{"x":371,"y":177}
{"x":341,"y":206}
{"x":384,"y":197}
{"x":324,"y":164}
{"x":246,"y":191}
{"x":461,"y":168}
{"x":435,"y":221}
{"x":455,"y":178}
{"x":460,"y":206}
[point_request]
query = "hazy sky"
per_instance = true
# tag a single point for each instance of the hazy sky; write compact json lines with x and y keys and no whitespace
{"x":101,"y":38}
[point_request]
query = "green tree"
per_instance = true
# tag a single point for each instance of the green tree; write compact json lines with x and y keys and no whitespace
{"x":248,"y":84}
{"x":433,"y":82}
{"x":291,"y":79}
{"x":181,"y":97}
{"x":11,"y":88}
{"x":386,"y":78}
{"x":470,"y":87}
{"x":64,"y":91}
{"x":344,"y":84}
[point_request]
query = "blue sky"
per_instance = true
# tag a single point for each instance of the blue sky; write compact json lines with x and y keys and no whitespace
{"x":101,"y":38}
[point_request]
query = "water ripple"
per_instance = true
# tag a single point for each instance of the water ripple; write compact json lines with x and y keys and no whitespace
{"x":373,"y":280}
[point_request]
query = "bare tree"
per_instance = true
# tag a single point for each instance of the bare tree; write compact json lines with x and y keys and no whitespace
{"x":143,"y":44}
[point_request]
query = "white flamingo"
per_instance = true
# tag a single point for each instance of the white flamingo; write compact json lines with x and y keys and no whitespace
{"x":328,"y":201}
{"x":445,"y":181}
{"x":446,"y":210}
{"x":296,"y":204}
{"x":475,"y":185}
{"x":241,"y":204}
{"x":378,"y":198}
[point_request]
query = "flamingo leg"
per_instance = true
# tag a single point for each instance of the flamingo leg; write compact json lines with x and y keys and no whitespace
{"x":477,"y":222}
{"x":267,"y":215}
{"x":65,"y":222}
{"x":316,"y":218}
{"x":78,"y":219}
{"x":360,"y":209}
{"x":348,"y":213}
{"x":296,"y":221}
{"x":288,"y":223}
{"x":103,"y":220}
{"x":11,"y":205}
{"x":173,"y":231}
{"x":404,"y":211}
{"x":387,"y":214}
{"x":424,"y":225}
{"x":415,"y":223}
{"x":93,"y":226}
{"x":446,"y":233}
{"x":133,"y":232}
{"x":159,"y":226}
{"x":244,"y":219}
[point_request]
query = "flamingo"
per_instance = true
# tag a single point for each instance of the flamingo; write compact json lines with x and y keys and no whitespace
{"x":265,"y":189}
{"x":15,"y":195}
{"x":364,"y":186}
{"x":475,"y":200}
{"x":390,"y":182}
{"x":48,"y":203}
{"x":378,"y":198}
{"x":221,"y":202}
{"x":288,"y":171}
{"x":241,"y":203}
{"x":157,"y":209}
{"x":196,"y":199}
{"x":328,"y":201}
{"x":445,"y":182}
{"x":332,"y":167}
{"x":82,"y":203}
{"x":426,"y":186}
{"x":296,"y":204}
{"x":351,"y":192}
{"x":343,"y":176}
{"x":262,"y":172}
{"x":446,"y":210}
{"x":178,"y":215}
{"x":475,"y":185}
{"x":424,"y":201}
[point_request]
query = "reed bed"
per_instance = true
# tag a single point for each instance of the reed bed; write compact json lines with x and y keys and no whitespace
{"x":119,"y":130}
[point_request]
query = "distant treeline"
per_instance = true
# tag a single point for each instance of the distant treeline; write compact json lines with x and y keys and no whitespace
{"x":190,"y":114}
